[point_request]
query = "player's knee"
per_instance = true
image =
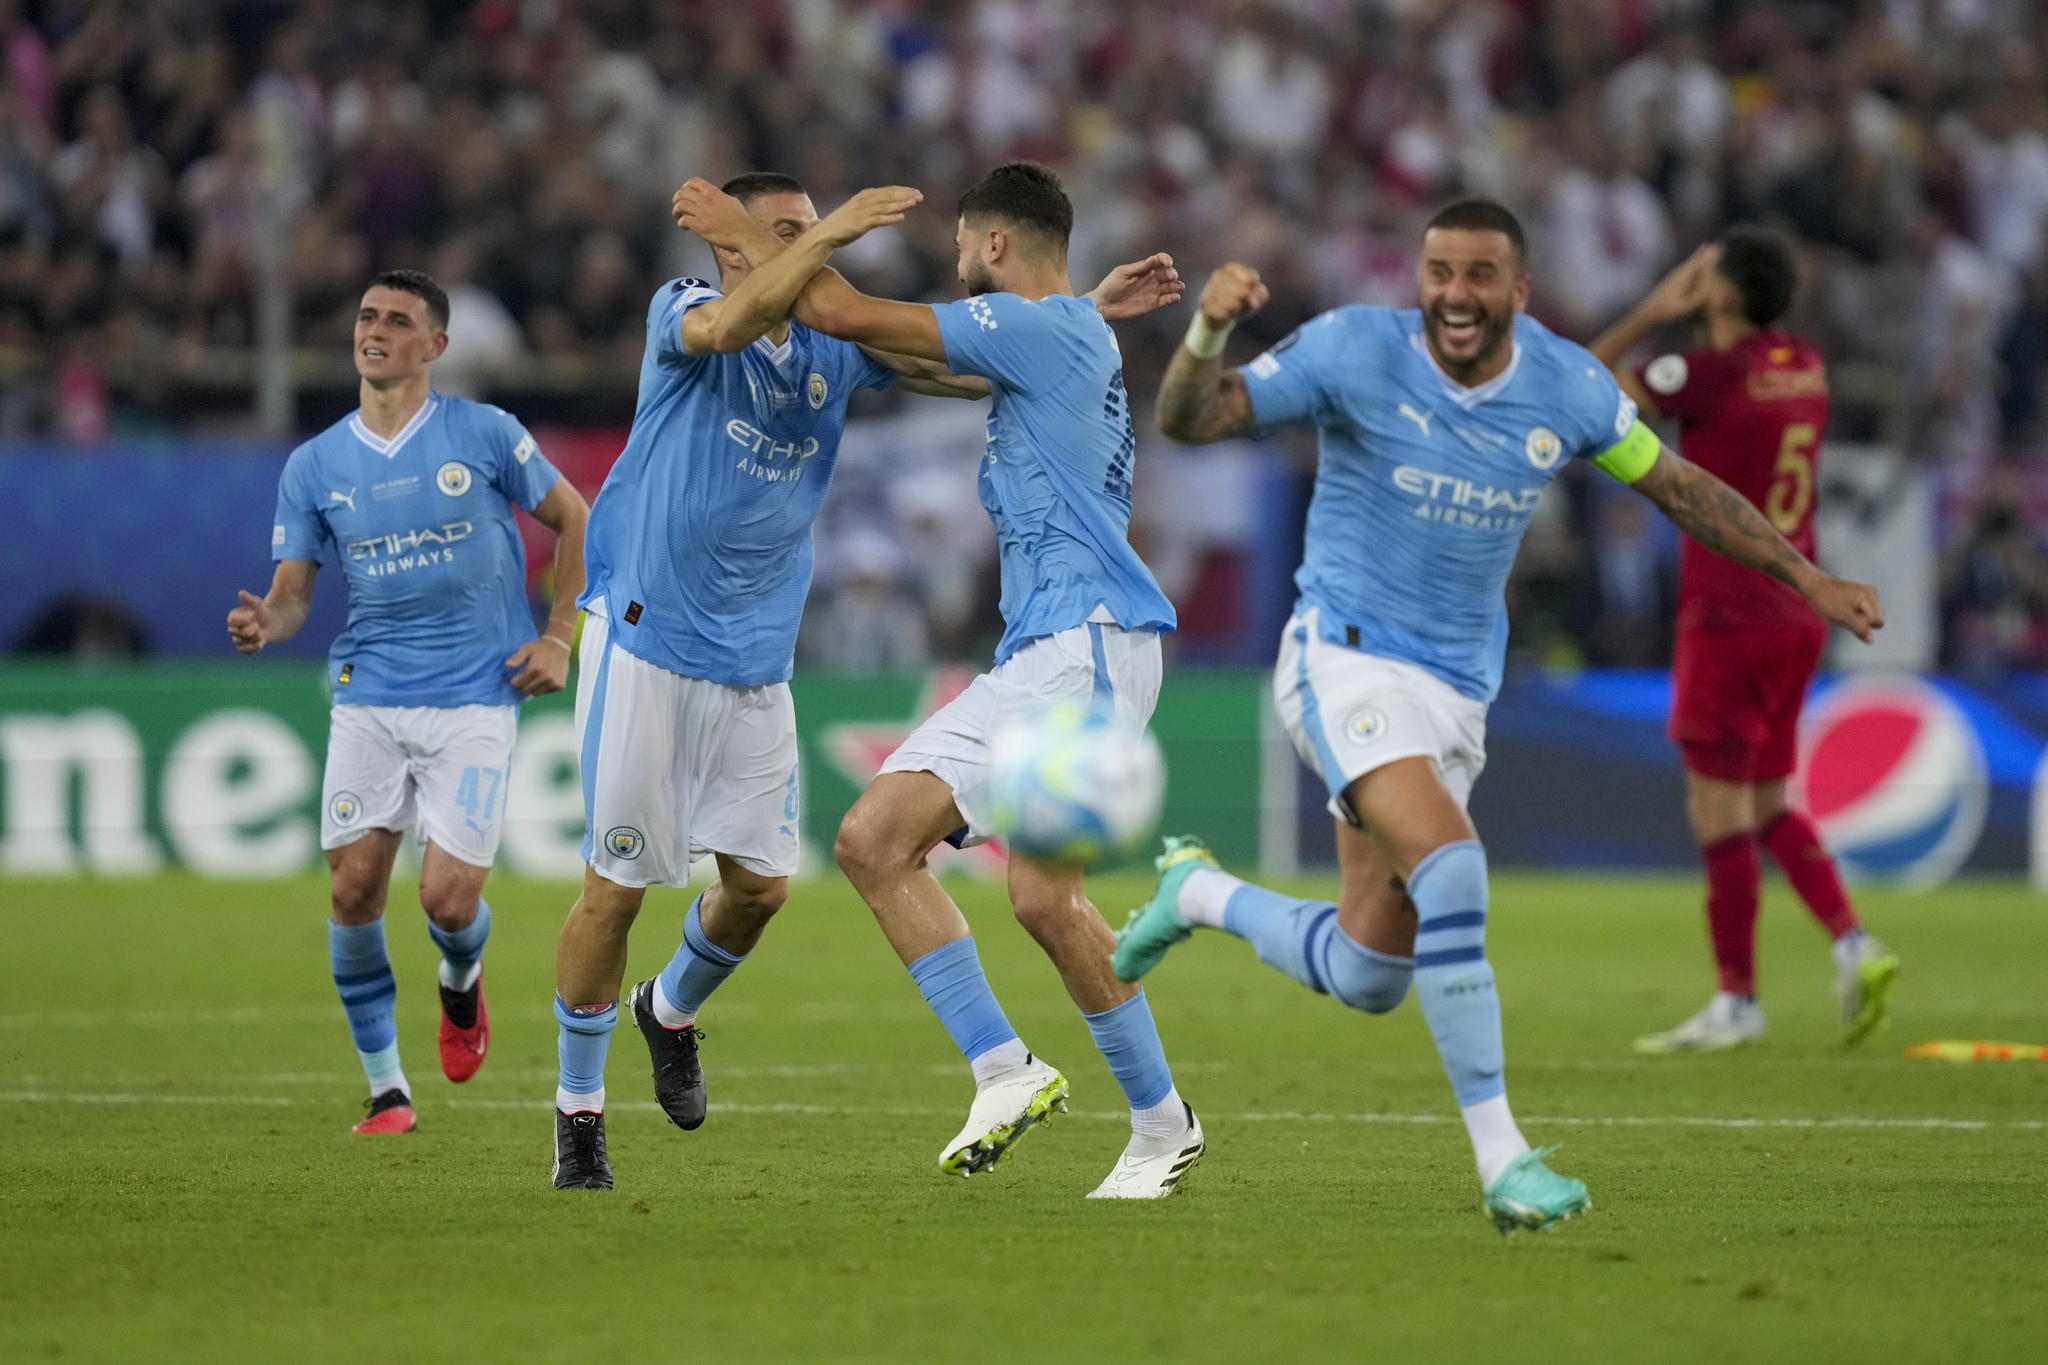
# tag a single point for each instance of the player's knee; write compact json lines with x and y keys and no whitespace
{"x":866,"y":849}
{"x":356,"y":900}
{"x":757,"y":904}
{"x":449,"y":907}
{"x":1366,"y":980}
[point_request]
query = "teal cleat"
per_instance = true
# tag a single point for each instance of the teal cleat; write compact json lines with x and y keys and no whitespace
{"x":1156,"y":925}
{"x":1529,"y":1195}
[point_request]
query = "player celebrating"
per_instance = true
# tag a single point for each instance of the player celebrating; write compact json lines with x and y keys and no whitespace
{"x":1082,"y":616}
{"x":1439,"y":429}
{"x":700,"y":556}
{"x":1752,"y":403}
{"x":410,"y":493}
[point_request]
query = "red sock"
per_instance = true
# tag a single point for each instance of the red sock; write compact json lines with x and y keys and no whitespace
{"x":1735,"y":873}
{"x":1796,"y":844}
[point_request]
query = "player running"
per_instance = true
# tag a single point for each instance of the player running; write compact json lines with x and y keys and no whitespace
{"x":410,"y":493}
{"x":1082,"y":617}
{"x":1753,"y":404}
{"x":1439,"y":429}
{"x":700,"y":556}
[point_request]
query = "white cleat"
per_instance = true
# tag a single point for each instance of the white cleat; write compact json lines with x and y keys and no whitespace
{"x":1152,"y":1167}
{"x":1728,"y":1021}
{"x":1004,"y":1110}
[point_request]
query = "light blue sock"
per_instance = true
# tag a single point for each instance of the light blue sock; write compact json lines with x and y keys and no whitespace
{"x":1453,"y":980}
{"x":584,"y":1039}
{"x":697,"y":968}
{"x":461,"y":949}
{"x":362,"y":975}
{"x":1302,"y":939}
{"x":956,"y":988}
{"x":1129,"y":1042}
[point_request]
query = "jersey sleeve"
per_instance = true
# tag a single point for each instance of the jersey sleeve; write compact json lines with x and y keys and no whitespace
{"x":1288,"y":384}
{"x":299,"y":530}
{"x":1604,"y":425}
{"x":665,"y":319}
{"x":1684,"y":384}
{"x":519,"y":470}
{"x":865,"y":372}
{"x":1001,"y":337}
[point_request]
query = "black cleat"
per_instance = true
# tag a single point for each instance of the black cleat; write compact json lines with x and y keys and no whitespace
{"x":580,"y":1161}
{"x":678,"y":1076}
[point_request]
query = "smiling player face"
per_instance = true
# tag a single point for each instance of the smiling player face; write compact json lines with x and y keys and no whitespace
{"x":1472,"y":287}
{"x":395,"y":336}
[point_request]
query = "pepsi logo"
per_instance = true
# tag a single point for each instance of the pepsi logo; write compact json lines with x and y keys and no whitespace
{"x":1894,"y":775}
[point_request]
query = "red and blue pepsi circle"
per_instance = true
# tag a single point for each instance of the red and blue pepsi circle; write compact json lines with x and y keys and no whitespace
{"x":1894,"y":775}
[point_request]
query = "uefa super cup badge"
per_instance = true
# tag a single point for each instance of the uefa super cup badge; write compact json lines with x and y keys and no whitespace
{"x":453,"y":478}
{"x":1543,"y":447}
{"x":817,"y":390}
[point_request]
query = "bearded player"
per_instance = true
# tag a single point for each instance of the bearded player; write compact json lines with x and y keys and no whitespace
{"x":700,"y":556}
{"x":413,"y":494}
{"x":1752,"y":405}
{"x":1082,"y":618}
{"x":1439,"y":430}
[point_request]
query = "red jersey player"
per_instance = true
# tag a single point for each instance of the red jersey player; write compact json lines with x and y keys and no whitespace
{"x":1752,"y":405}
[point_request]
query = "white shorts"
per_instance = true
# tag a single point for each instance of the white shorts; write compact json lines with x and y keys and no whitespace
{"x":1349,"y":712}
{"x":676,"y":767}
{"x":442,"y":767}
{"x":1091,"y":664}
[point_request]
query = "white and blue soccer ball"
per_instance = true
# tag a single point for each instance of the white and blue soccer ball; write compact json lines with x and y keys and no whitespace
{"x":1077,"y":786}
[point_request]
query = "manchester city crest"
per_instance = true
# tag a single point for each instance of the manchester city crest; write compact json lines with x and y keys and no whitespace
{"x":624,"y":841}
{"x":344,"y":808}
{"x":1365,"y":725}
{"x":1542,"y":447}
{"x":817,"y":390}
{"x":453,"y":478}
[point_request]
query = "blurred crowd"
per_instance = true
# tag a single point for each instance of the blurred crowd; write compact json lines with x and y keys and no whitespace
{"x":161,"y":159}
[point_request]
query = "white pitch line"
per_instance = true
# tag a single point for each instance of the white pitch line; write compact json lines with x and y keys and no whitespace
{"x":1104,"y":1115}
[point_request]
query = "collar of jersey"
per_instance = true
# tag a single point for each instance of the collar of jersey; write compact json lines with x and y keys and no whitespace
{"x":778,"y":356}
{"x":405,"y":433}
{"x":1458,"y":393}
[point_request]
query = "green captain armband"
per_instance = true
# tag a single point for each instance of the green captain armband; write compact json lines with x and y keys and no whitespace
{"x":1631,"y":457}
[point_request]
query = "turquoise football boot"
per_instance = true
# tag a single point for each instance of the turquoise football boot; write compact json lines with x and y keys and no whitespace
{"x":1156,"y":925}
{"x":1529,"y":1195}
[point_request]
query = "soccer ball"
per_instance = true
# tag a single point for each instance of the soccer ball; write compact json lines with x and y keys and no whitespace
{"x":1076,"y":786}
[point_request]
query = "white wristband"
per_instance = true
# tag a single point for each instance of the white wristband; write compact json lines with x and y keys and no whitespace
{"x":1205,"y":338}
{"x":556,"y":639}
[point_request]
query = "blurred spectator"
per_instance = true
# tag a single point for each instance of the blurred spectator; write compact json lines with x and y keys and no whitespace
{"x":2005,"y":165}
{"x":483,"y":338}
{"x":867,"y":624}
{"x":1636,"y":585}
{"x":1606,"y":235}
{"x":112,"y":186}
{"x":86,"y":628}
{"x":1994,"y":584}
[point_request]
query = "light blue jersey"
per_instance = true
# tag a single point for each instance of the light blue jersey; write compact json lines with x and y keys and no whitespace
{"x":700,"y":542}
{"x":1057,"y":476}
{"x":424,"y":532}
{"x":1424,"y":488}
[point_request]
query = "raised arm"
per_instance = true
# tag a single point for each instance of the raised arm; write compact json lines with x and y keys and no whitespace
{"x":929,"y":376}
{"x":830,"y":305}
{"x":260,"y":621}
{"x":1199,"y":400}
{"x":1729,"y":524}
{"x":1133,"y":290}
{"x":779,"y":271}
{"x":1677,"y":294}
{"x":543,"y":664}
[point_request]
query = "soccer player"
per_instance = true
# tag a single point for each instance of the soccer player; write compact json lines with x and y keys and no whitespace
{"x":700,"y":556}
{"x":1439,"y":429}
{"x":1752,"y":404}
{"x":1082,"y":617}
{"x":412,"y":493}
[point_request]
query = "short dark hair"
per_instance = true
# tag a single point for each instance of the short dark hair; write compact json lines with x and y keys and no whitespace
{"x":1482,"y":215}
{"x":1760,"y":266}
{"x":1026,"y":197}
{"x":753,"y":184}
{"x":416,"y":282}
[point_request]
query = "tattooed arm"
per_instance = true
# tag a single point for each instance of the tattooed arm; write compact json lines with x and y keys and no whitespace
{"x":1199,"y":400}
{"x":1730,"y":525}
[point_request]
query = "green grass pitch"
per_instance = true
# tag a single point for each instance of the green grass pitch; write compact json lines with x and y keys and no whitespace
{"x":176,"y":1087}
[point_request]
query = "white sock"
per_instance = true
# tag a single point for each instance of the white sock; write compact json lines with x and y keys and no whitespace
{"x":1848,"y":949}
{"x":383,"y":1072}
{"x":592,"y":1103}
{"x":1166,"y":1119}
{"x":1495,"y":1139}
{"x":1202,"y":896}
{"x":666,"y":1014}
{"x":466,"y":980}
{"x":999,"y":1060}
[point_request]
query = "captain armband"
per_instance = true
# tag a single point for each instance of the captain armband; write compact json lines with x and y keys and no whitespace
{"x":1631,"y":457}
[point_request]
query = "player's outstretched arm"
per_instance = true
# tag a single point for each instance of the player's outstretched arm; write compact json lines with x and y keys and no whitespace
{"x":830,"y":305}
{"x":543,"y":664}
{"x":929,"y":376}
{"x":1729,"y":524}
{"x":779,"y":272}
{"x":1677,"y":294}
{"x":1133,"y":290}
{"x":1199,"y":400}
{"x":260,"y":621}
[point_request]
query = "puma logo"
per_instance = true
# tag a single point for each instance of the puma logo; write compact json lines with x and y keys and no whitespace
{"x":348,"y":497}
{"x":1421,"y":419}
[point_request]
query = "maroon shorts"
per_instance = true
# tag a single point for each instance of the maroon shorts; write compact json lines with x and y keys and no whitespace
{"x":1736,"y":695}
